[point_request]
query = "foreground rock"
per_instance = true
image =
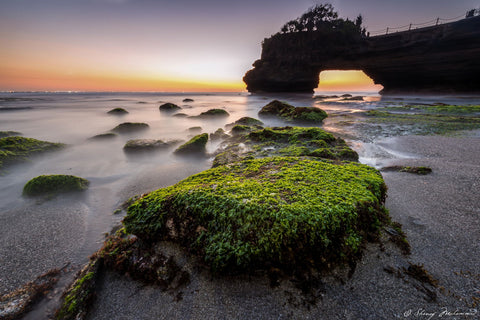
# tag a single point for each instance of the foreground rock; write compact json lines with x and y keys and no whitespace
{"x":196,"y":145}
{"x":18,"y":149}
{"x":279,"y":213}
{"x":128,"y":127}
{"x":291,"y":113}
{"x":54,"y":184}
{"x":18,"y":302}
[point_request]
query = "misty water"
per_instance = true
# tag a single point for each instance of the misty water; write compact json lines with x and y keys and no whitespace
{"x":39,"y":234}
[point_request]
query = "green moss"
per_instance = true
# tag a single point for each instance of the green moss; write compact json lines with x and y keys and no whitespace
{"x":428,"y":119}
{"x":169,"y":107}
{"x":128,"y":127}
{"x":241,"y":129}
{"x":52,"y":184}
{"x":421,"y":170}
{"x":219,"y":134}
{"x":291,"y":113}
{"x":194,"y":145}
{"x":4,"y":134}
{"x":15,"y":149}
{"x":214,"y":113}
{"x":282,"y":211}
{"x":79,"y":296}
{"x":118,"y":111}
{"x":246,"y":121}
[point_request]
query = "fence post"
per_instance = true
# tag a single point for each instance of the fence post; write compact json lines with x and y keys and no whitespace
{"x":437,"y":21}
{"x":410,"y":27}
{"x":387,"y":31}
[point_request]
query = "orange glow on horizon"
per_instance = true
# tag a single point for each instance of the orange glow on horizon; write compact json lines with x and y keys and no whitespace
{"x":351,"y":80}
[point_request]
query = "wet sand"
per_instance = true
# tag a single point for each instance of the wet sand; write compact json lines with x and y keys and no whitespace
{"x":439,"y":213}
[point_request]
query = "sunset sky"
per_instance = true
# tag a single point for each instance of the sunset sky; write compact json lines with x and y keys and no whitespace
{"x":160,"y":45}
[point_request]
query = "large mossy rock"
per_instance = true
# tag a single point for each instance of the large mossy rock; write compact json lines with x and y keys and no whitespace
{"x":53,"y":184}
{"x":285,"y":212}
{"x":18,"y":149}
{"x":196,"y":145}
{"x":169,"y":107}
{"x":129,"y":127}
{"x":291,"y":113}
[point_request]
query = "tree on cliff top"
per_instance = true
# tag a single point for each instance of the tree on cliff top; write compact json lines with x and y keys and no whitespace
{"x":322,"y":16}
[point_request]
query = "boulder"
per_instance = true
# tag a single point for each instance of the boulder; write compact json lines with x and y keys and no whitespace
{"x":168,"y":107}
{"x":53,"y":184}
{"x":128,"y":127}
{"x":196,"y":145}
{"x":118,"y":111}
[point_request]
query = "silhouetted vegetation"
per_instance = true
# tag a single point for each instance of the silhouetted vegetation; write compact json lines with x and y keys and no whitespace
{"x":320,"y":17}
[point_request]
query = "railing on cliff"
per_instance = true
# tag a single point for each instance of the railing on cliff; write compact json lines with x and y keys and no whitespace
{"x":434,"y":22}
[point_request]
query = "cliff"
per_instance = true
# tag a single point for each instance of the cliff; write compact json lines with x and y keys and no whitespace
{"x":442,"y":58}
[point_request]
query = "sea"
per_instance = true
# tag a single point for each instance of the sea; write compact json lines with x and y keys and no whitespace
{"x":40,"y":233}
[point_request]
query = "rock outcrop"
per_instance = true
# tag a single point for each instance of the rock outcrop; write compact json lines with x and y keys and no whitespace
{"x":441,"y":58}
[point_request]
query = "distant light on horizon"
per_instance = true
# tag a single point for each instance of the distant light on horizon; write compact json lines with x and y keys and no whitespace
{"x":346,"y":80}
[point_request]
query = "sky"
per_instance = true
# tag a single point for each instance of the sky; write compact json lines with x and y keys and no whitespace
{"x":170,"y":45}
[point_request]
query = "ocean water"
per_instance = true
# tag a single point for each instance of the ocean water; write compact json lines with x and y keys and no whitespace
{"x":31,"y":243}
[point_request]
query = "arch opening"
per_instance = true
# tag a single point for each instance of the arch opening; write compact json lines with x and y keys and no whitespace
{"x":346,"y":81}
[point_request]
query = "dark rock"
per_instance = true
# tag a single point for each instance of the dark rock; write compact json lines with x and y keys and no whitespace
{"x":4,"y":134}
{"x":196,"y":145}
{"x":245,"y":121}
{"x":346,"y":95}
{"x":415,"y":170}
{"x":291,"y":113}
{"x":144,"y":145}
{"x":118,"y":111}
{"x":180,"y":115}
{"x":169,"y":107}
{"x":219,"y":134}
{"x":104,"y":136}
{"x":213,"y":113}
{"x":195,"y":129}
{"x":356,"y":98}
{"x":53,"y":184}
{"x":128,"y":127}
{"x":188,"y":100}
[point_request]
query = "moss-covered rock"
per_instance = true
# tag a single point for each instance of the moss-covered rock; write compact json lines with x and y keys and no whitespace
{"x":282,"y":211}
{"x":4,"y":134}
{"x":285,"y":141}
{"x":180,"y":115}
{"x":118,"y":111}
{"x":421,"y":170}
{"x":128,"y":127}
{"x":168,"y":107}
{"x":219,"y":134}
{"x":241,"y":130}
{"x":53,"y":184}
{"x":195,"y":129}
{"x":104,"y":136}
{"x":77,"y":299}
{"x":245,"y":121}
{"x":291,"y":113}
{"x":195,"y":145}
{"x":17,"y":149}
{"x":213,"y":113}
{"x":144,"y":145}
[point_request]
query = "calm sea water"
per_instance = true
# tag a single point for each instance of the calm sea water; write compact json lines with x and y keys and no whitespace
{"x":72,"y":118}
